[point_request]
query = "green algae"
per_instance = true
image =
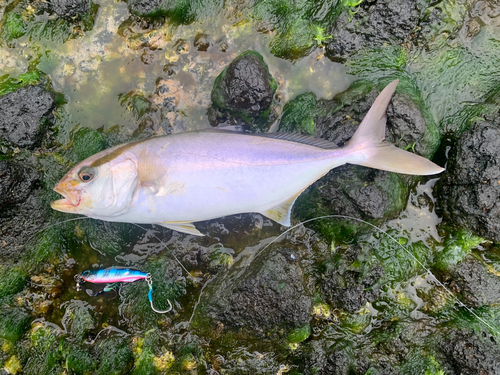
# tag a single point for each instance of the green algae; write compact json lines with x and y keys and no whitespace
{"x":13,"y":324}
{"x":12,"y":280}
{"x":298,"y":335}
{"x":298,"y":114}
{"x":115,"y":357}
{"x":300,"y":25}
{"x":87,"y":142}
{"x":13,"y":27}
{"x":9,"y":84}
{"x":456,"y":247}
{"x":78,"y":360}
{"x":135,"y":103}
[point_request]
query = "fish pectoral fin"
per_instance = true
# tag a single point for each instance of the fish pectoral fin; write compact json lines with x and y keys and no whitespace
{"x":282,"y":212}
{"x":183,"y":227}
{"x":152,"y":173}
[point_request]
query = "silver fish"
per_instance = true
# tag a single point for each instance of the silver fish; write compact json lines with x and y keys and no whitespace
{"x":179,"y":179}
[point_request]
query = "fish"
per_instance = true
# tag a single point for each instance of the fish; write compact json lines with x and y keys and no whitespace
{"x":177,"y":180}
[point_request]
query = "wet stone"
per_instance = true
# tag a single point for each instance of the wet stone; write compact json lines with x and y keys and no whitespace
{"x":245,"y":88}
{"x":477,"y":286}
{"x":24,"y":114}
{"x":468,"y":194}
{"x":268,"y":294}
{"x":21,"y":212}
{"x":16,"y":183}
{"x":349,"y":289}
{"x":144,"y":7}
{"x":376,"y":23}
{"x":467,"y":354}
{"x":202,"y":42}
{"x":70,"y":8}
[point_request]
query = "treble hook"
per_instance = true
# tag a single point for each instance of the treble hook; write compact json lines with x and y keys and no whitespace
{"x":150,"y":296}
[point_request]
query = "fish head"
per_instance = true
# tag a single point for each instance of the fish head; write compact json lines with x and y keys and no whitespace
{"x":101,"y":186}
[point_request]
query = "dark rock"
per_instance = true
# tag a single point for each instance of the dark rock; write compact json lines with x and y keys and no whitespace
{"x":24,"y":114}
{"x":18,"y":225}
{"x":468,"y":194}
{"x":375,"y":23}
{"x":177,"y":12}
{"x":69,"y":9}
{"x":467,"y":354}
{"x":16,"y":183}
{"x":202,"y":42}
{"x":268,"y":294}
{"x":144,"y":8}
{"x":349,"y":289}
{"x":477,"y":286}
{"x":245,"y":89}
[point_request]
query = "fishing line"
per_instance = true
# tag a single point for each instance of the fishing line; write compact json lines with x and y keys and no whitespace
{"x":428,"y":271}
{"x":166,"y":247}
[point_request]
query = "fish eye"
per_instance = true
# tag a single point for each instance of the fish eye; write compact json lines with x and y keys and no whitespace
{"x":86,"y":174}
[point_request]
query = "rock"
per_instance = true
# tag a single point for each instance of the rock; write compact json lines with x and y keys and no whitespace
{"x":376,"y":23}
{"x":245,"y":89}
{"x":24,"y":115}
{"x":16,"y":183}
{"x":69,"y":9}
{"x":270,"y":293}
{"x":21,"y":212}
{"x":202,"y":42}
{"x":468,"y":194}
{"x":349,"y":289}
{"x":467,"y":354}
{"x":178,"y":12}
{"x":477,"y":286}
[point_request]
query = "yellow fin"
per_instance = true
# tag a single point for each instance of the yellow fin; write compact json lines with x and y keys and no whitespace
{"x":152,"y":173}
{"x":282,"y":212}
{"x":183,"y":227}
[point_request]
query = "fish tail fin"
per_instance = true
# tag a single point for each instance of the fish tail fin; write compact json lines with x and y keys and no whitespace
{"x":370,"y":150}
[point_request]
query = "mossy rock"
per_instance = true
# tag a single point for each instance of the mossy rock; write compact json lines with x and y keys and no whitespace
{"x":245,"y":90}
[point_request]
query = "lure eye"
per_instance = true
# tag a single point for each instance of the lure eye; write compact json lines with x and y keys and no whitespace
{"x":86,"y":174}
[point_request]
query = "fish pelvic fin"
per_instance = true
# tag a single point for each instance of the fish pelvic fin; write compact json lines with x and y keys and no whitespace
{"x":182,"y":227}
{"x":370,"y":150}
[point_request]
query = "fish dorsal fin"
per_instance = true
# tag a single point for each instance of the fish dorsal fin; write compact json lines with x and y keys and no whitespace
{"x":301,"y":138}
{"x":285,"y":136}
{"x":183,"y":227}
{"x":152,"y":173}
{"x":282,"y":212}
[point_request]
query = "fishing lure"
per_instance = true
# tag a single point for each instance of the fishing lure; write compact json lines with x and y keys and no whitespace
{"x":112,"y":277}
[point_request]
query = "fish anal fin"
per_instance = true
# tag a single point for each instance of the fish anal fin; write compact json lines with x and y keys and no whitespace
{"x":282,"y":212}
{"x":182,"y":227}
{"x":152,"y":172}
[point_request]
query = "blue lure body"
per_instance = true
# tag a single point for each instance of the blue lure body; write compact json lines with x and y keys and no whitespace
{"x":112,"y":277}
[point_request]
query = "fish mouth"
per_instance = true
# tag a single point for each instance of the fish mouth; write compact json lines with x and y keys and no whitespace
{"x":69,"y":203}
